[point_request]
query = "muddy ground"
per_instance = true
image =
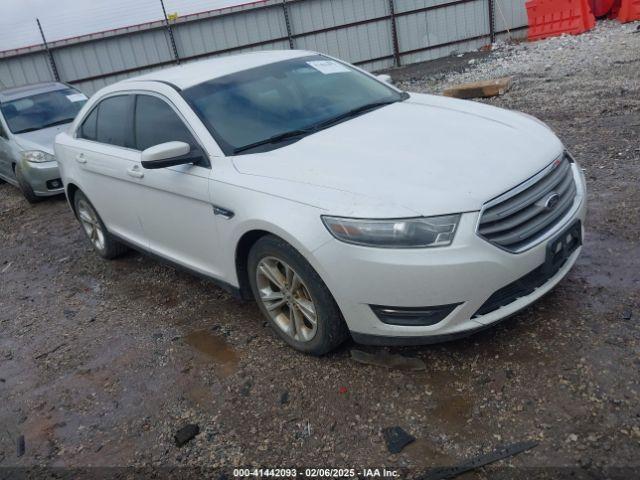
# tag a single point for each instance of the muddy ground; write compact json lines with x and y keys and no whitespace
{"x":102,"y":362}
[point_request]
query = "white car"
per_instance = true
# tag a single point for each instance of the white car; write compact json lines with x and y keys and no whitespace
{"x":340,"y":203}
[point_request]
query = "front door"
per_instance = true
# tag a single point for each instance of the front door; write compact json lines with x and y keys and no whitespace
{"x":174,"y":207}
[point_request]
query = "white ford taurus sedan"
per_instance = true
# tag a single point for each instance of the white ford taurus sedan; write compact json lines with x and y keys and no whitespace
{"x":340,"y":203}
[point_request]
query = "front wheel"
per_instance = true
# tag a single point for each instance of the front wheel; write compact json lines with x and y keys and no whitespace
{"x":101,"y":240}
{"x":294,"y":298}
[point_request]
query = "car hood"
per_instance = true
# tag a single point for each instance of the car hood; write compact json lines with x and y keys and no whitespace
{"x":40,"y":139}
{"x":428,"y":155}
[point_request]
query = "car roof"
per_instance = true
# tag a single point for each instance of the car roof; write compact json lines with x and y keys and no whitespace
{"x":23,"y":91}
{"x":193,"y":73}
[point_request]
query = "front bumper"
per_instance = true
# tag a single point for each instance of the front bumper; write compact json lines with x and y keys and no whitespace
{"x":467,"y":273}
{"x":42,"y":177}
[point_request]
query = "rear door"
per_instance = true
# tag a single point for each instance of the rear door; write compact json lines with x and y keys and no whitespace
{"x":110,"y":170}
{"x":174,"y":207}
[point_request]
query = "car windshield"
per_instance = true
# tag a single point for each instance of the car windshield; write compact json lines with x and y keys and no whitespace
{"x":43,"y":110}
{"x":267,"y":107}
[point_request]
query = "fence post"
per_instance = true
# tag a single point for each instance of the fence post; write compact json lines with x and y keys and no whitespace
{"x":287,"y":22}
{"x":394,"y":34}
{"x":170,"y":30}
{"x":492,"y":20}
{"x":52,"y":60}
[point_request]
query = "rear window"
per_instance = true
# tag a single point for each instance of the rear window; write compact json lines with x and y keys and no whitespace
{"x":89,"y":127}
{"x":114,"y":120}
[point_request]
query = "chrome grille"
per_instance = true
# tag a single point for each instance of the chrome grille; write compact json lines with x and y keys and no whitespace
{"x":519,"y":218}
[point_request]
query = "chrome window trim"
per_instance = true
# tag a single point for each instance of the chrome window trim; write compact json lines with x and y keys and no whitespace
{"x":577,"y":202}
{"x":135,"y":92}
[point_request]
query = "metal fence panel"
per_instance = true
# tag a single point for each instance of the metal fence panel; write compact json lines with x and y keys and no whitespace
{"x":409,"y":5}
{"x":510,"y":14}
{"x":25,"y":69}
{"x":348,"y":30}
{"x":115,"y":54}
{"x":93,"y":85}
{"x":311,"y":15}
{"x":354,"y":44}
{"x":359,"y":31}
{"x":443,"y":25}
{"x":233,"y":31}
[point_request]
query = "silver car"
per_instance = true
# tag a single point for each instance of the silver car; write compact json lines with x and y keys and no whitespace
{"x":30,"y":118}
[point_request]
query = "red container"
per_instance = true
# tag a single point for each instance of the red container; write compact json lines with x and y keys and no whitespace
{"x":615,"y":9}
{"x":627,"y":10}
{"x":601,"y":8}
{"x":550,"y":18}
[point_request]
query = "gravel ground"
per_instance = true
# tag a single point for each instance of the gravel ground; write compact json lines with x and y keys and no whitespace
{"x":102,"y":362}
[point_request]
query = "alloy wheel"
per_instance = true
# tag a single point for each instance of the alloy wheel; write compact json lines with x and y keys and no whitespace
{"x":91,"y":224}
{"x":286,"y":299}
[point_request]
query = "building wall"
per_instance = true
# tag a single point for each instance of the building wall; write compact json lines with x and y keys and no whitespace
{"x":359,"y":31}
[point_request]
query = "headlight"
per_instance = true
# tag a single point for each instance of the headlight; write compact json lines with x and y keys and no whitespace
{"x":37,"y":156}
{"x":400,"y":233}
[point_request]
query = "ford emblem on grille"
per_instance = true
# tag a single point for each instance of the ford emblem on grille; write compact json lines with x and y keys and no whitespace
{"x":552,"y":201}
{"x":517,"y":219}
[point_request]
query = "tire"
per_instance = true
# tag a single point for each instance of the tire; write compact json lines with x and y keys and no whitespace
{"x":101,"y":240}
{"x":25,"y":188}
{"x":284,"y":298}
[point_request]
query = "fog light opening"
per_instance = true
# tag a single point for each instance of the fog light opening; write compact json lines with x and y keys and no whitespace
{"x":54,"y":184}
{"x":413,"y":317}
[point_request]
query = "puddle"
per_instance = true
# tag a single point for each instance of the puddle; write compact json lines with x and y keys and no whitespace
{"x":428,"y":455}
{"x":200,"y":395}
{"x":451,"y":408}
{"x":453,"y":411}
{"x":215,"y":348}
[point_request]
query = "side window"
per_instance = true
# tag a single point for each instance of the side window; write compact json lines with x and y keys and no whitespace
{"x":114,"y":115}
{"x":88,"y":129}
{"x":156,"y":122}
{"x":3,"y":133}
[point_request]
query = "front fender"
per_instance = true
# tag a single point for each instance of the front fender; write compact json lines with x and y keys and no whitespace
{"x":298,"y":224}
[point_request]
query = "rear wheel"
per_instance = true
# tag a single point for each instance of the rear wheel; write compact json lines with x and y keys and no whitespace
{"x":25,"y":188}
{"x":101,"y":240}
{"x":294,"y":298}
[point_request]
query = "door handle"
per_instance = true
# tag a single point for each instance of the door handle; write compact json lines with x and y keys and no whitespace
{"x":80,"y":158}
{"x":135,"y":172}
{"x":223,"y":212}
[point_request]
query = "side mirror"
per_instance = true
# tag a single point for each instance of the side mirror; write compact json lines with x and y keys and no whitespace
{"x":385,"y":78}
{"x":166,"y":155}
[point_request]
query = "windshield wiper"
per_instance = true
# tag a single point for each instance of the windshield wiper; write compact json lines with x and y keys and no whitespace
{"x":318,"y":126}
{"x":27,"y":130}
{"x":354,"y":113}
{"x":57,"y":122}
{"x":46,"y":125}
{"x":276,"y":139}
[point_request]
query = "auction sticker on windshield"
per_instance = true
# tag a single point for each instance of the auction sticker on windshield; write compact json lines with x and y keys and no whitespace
{"x":328,"y":66}
{"x":76,"y":97}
